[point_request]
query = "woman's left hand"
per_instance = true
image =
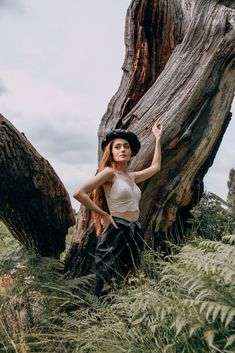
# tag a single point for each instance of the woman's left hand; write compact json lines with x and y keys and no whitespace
{"x":157,"y":129}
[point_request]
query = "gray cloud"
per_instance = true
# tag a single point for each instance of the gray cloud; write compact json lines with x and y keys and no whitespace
{"x":69,"y":143}
{"x":50,"y":70}
{"x":3,"y":88}
{"x":11,"y":4}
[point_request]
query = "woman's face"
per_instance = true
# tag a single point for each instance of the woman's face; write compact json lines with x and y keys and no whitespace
{"x":121,"y":150}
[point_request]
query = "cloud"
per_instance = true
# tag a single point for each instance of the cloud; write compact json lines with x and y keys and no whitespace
{"x":3,"y":88}
{"x":15,"y":5}
{"x":218,"y":174}
{"x":64,"y":136}
{"x":59,"y":85}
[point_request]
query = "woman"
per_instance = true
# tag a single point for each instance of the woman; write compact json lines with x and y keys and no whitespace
{"x":115,"y":204}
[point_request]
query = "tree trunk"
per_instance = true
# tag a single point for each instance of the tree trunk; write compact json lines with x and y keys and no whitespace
{"x":179,"y":67}
{"x":34,"y":204}
{"x":231,"y":192}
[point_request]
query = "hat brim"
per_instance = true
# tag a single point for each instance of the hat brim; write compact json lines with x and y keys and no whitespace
{"x":125,"y":134}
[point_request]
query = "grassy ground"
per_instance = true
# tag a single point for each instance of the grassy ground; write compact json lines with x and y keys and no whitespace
{"x":185,"y":303}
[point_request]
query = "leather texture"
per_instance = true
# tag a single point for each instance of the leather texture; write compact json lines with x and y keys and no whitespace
{"x":118,"y":252}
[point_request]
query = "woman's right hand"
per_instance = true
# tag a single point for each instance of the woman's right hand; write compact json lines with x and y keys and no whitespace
{"x":107,"y":220}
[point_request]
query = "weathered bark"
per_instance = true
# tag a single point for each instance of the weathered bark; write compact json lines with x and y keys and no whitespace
{"x":179,"y":67}
{"x":231,"y":192}
{"x":34,"y":204}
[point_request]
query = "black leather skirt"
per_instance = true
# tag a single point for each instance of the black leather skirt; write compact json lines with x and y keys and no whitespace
{"x":118,"y":251}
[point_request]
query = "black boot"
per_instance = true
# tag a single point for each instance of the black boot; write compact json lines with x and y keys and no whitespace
{"x":98,"y":286}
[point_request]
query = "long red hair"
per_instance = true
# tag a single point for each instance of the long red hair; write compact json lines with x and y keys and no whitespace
{"x":98,"y":194}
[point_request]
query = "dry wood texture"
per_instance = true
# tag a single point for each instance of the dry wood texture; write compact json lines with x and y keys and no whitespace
{"x":33,"y":201}
{"x":231,"y":191}
{"x":179,"y":67}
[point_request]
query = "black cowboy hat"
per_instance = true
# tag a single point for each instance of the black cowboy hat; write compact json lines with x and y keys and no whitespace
{"x":124,"y":134}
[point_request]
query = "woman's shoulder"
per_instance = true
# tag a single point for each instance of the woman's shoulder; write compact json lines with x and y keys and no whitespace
{"x":109,"y":176}
{"x":132,"y":175}
{"x":108,"y":172}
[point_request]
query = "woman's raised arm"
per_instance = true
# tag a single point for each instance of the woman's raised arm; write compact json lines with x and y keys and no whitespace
{"x":155,"y":166}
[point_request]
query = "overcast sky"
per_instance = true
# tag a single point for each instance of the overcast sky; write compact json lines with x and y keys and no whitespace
{"x":60,"y":64}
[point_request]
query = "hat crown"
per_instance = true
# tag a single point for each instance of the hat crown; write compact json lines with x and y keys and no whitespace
{"x":125,"y":134}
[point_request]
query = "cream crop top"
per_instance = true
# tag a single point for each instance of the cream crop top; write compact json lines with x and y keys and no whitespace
{"x":124,"y":195}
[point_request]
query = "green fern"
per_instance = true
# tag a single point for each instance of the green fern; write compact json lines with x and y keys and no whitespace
{"x":184,"y":304}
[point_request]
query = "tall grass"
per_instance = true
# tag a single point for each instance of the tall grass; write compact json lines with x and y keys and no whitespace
{"x":211,"y":218}
{"x":185,"y":303}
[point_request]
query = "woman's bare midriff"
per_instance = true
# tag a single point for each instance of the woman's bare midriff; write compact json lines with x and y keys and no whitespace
{"x":131,"y":216}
